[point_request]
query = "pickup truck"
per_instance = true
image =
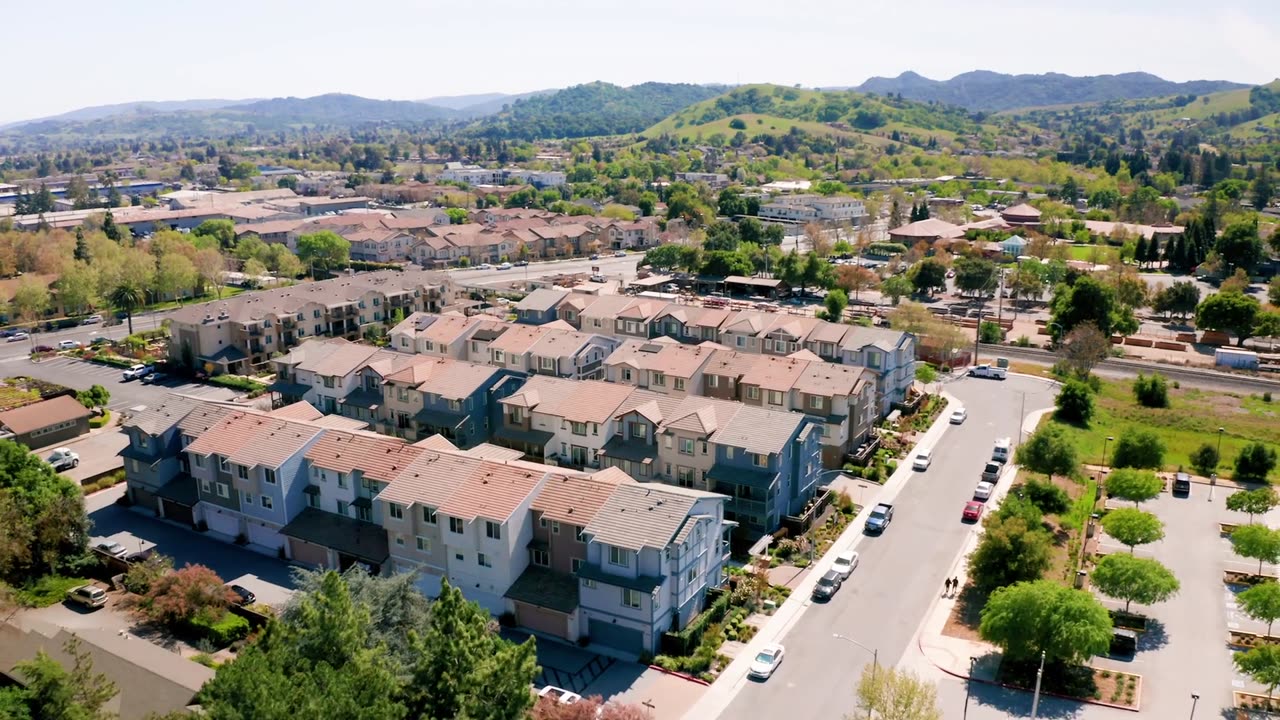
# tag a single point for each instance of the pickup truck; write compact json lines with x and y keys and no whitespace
{"x":988,"y":371}
{"x":881,"y":516}
{"x":991,"y":472}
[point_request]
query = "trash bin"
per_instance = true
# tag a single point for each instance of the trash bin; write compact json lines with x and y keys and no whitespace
{"x":1080,"y":576}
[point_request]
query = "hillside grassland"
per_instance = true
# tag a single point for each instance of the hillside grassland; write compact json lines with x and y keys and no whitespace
{"x":1192,"y":419}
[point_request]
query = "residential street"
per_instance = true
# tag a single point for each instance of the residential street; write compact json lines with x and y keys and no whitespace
{"x":900,"y":572}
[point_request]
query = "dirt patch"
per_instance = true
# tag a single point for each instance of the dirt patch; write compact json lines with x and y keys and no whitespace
{"x":966,"y":615}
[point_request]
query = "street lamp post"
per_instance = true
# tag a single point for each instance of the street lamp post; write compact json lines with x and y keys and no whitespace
{"x":1035,"y":699}
{"x":1195,"y":698}
{"x":967,"y":685}
{"x":1102,"y":468}
{"x":875,"y":658}
{"x":1221,"y":430}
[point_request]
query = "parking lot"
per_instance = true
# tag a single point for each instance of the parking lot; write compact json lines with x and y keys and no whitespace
{"x":80,"y":375}
{"x":1185,"y":649}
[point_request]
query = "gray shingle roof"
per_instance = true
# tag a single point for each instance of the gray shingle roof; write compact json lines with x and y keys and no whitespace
{"x":542,"y":300}
{"x":157,"y":419}
{"x":758,"y":430}
{"x":643,"y":515}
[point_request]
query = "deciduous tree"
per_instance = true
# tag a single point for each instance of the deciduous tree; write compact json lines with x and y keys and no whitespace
{"x":896,"y":288}
{"x":1134,"y":485}
{"x":1138,"y":448}
{"x":975,"y":275}
{"x":1230,"y":312}
{"x":1262,"y":663}
{"x":1254,"y":463}
{"x":892,"y":694}
{"x":1257,"y":542}
{"x":928,"y":275}
{"x":30,"y":300}
{"x":1048,"y":451}
{"x":1074,"y":403}
{"x":1010,"y":550}
{"x":1179,"y":299}
{"x":324,"y":250}
{"x":1134,"y":579}
{"x":181,"y":595}
{"x":43,"y":527}
{"x":1204,"y":459}
{"x":1029,"y":618}
{"x":1132,"y":527}
{"x":1253,"y":502}
{"x":1083,"y":348}
{"x":1262,"y":602}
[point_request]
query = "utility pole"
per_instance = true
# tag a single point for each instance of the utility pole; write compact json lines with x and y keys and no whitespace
{"x":1035,"y":700}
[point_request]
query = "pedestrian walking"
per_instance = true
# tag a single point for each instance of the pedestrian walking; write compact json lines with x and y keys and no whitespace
{"x":946,"y":585}
{"x":955,"y":585}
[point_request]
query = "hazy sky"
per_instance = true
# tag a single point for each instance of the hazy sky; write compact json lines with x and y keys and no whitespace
{"x":68,"y":54}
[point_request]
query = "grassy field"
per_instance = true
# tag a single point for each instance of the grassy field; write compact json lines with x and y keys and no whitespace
{"x":1193,"y":418}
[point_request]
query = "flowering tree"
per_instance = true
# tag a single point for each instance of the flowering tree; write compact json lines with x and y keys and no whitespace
{"x":180,"y":596}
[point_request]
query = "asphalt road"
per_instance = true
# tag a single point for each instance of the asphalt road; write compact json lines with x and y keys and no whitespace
{"x":900,"y":572}
{"x":613,"y":268}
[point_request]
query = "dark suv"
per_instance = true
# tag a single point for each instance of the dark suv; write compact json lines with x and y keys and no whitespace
{"x":1182,"y":485}
{"x":827,"y":585}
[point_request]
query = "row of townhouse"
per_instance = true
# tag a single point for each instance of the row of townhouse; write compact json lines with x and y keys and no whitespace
{"x":476,"y":175}
{"x":766,"y":456}
{"x":556,"y":236}
{"x":889,"y":355}
{"x":814,"y":208}
{"x":238,"y":334}
{"x":579,"y":556}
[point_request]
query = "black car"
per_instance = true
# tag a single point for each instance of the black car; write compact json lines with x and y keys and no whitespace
{"x":246,"y":597}
{"x":1182,"y":484}
{"x":827,"y":585}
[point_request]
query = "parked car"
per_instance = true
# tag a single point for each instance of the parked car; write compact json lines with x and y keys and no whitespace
{"x":90,"y":596}
{"x":138,"y":371}
{"x":521,"y":263}
{"x":766,"y":661}
{"x":827,"y":586}
{"x":972,"y":511}
{"x":63,"y":459}
{"x":42,"y":349}
{"x":991,"y":471}
{"x":988,"y":371}
{"x":246,"y":596}
{"x":560,"y":695}
{"x":154,"y":378}
{"x":91,"y":320}
{"x":983,"y":491}
{"x":922,"y":459}
{"x":69,"y":344}
{"x":112,"y":548}
{"x":100,"y":341}
{"x":1002,"y":450}
{"x":881,"y":516}
{"x":845,"y":563}
{"x":595,"y":256}
{"x":505,"y":266}
{"x":19,"y":336}
{"x":959,"y":415}
{"x":1182,"y":484}
{"x":620,"y":253}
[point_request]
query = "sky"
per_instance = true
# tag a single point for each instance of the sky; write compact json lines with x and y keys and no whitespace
{"x":76,"y":53}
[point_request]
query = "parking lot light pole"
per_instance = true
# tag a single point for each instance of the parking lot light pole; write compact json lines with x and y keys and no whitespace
{"x":875,"y":658}
{"x":1035,"y":699}
{"x":1102,"y":468}
{"x":967,"y":686}
{"x":1195,"y":698}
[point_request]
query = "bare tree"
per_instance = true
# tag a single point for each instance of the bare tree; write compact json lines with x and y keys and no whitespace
{"x":1083,"y":348}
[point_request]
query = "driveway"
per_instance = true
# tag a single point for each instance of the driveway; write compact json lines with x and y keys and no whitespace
{"x":899,"y":573}
{"x":267,"y":577}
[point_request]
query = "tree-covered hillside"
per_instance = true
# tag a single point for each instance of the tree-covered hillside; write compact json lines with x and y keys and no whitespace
{"x":593,"y":109}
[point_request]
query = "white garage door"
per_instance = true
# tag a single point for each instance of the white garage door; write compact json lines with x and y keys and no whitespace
{"x":429,"y":584}
{"x":265,"y":536}
{"x":225,"y":522}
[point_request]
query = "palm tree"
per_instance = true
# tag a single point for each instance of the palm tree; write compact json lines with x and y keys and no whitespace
{"x":127,"y":297}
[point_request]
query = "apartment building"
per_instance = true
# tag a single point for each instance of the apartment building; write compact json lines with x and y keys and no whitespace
{"x":238,"y":334}
{"x":321,"y":371}
{"x":662,"y":366}
{"x":562,"y":421}
{"x":157,"y":476}
{"x":808,"y":208}
{"x":436,"y":335}
{"x":451,"y":398}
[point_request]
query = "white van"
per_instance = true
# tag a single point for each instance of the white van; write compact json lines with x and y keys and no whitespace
{"x":1002,"y":450}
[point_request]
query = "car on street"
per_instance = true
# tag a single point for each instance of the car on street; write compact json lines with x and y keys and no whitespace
{"x":90,"y":596}
{"x":63,"y":459}
{"x":484,"y":266}
{"x":69,"y":344}
{"x":983,"y":491}
{"x":972,"y":511}
{"x":560,"y":695}
{"x":19,"y":336}
{"x":91,"y":320}
{"x":922,"y":460}
{"x":112,"y":548}
{"x":136,"y":372}
{"x":880,"y":517}
{"x":505,"y":266}
{"x":988,"y":371}
{"x":155,"y":378}
{"x":959,"y":415}
{"x":766,"y":661}
{"x":991,"y":471}
{"x":1182,"y":484}
{"x":1002,"y":449}
{"x":244,"y":595}
{"x":595,"y":256}
{"x":522,"y":263}
{"x":845,"y":563}
{"x":827,"y":585}
{"x":620,"y":253}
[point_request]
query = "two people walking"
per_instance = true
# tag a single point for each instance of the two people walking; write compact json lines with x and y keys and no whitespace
{"x":951,"y":586}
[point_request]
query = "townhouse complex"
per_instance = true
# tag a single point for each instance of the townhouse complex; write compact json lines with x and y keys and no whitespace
{"x":573,"y":554}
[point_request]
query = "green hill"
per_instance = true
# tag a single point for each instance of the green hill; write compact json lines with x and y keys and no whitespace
{"x":588,"y":110}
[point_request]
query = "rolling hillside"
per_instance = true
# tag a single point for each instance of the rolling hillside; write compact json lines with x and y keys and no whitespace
{"x":990,"y":91}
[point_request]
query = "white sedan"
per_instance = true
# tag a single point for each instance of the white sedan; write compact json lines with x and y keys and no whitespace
{"x":768,"y":660}
{"x":560,"y":695}
{"x":959,"y":415}
{"x":845,"y":563}
{"x":983,"y":491}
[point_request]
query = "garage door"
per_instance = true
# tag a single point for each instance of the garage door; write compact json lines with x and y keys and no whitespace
{"x":224,"y":522}
{"x":616,"y":636}
{"x":429,"y":584}
{"x":543,"y":620}
{"x":178,"y":512}
{"x":265,"y":536}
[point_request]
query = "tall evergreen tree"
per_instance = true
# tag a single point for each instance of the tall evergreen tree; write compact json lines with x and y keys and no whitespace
{"x":1153,"y":252}
{"x":1140,"y":252}
{"x":110,"y":229}
{"x":82,"y":246}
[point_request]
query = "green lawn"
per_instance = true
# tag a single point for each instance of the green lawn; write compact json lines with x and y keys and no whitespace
{"x":1193,"y":418}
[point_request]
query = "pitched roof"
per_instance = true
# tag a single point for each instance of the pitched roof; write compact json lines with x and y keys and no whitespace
{"x":542,"y":299}
{"x":560,"y":344}
{"x":431,"y":478}
{"x":1021,"y":210}
{"x":492,"y":490}
{"x":329,"y":356}
{"x":824,"y":378}
{"x":253,"y":439}
{"x":573,"y":500}
{"x":928,"y":228}
{"x":377,"y":457}
{"x":729,"y":363}
{"x":301,"y":410}
{"x":63,"y":408}
{"x":577,"y":400}
{"x":774,"y":373}
{"x":518,"y":339}
{"x":155,"y":420}
{"x":759,"y":430}
{"x":642,"y":515}
{"x":858,"y":337}
{"x":672,"y":359}
{"x":455,"y":379}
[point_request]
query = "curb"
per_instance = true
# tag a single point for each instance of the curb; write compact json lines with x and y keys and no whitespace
{"x":680,"y":675}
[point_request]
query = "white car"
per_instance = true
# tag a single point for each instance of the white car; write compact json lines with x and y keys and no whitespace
{"x":63,"y":459}
{"x":485,"y":266}
{"x":983,"y":491}
{"x":562,"y":696}
{"x":959,"y":415}
{"x":69,"y":344}
{"x":922,"y":460}
{"x":91,"y":320}
{"x":845,"y":563}
{"x":766,"y":661}
{"x":19,"y":336}
{"x":505,"y":266}
{"x":137,"y":371}
{"x":113,"y":549}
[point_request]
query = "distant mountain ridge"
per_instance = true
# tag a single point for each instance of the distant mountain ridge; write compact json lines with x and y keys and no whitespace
{"x":97,"y":112}
{"x":991,"y":91}
{"x":481,"y":103}
{"x":343,"y":108}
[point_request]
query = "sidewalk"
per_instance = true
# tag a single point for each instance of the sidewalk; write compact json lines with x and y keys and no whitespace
{"x":722,"y":692}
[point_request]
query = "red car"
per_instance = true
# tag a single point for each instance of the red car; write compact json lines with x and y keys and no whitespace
{"x":972,"y":511}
